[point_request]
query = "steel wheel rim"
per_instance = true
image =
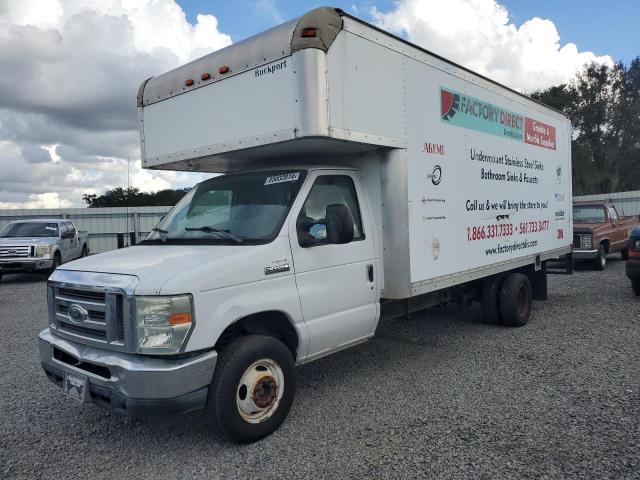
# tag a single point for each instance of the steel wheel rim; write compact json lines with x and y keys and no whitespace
{"x":260,"y":390}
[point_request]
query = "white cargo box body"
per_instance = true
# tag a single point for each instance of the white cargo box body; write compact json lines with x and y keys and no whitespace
{"x":467,"y":178}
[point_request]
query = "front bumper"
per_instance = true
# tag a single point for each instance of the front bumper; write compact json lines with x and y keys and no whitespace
{"x":632,"y":269}
{"x":24,"y":265}
{"x":136,"y":385}
{"x":582,"y":254}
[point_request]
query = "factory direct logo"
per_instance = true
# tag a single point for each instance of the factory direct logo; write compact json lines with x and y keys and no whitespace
{"x":476,"y":114}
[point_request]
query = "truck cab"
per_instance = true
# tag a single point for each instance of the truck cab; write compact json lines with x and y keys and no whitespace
{"x":225,"y":251}
{"x":598,"y":230}
{"x":40,"y":245}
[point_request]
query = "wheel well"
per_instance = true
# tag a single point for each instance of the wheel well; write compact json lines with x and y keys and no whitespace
{"x":57,"y":254}
{"x":606,"y":245}
{"x":272,"y":323}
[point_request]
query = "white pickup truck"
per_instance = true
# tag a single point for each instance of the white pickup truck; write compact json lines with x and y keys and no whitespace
{"x":40,"y":245}
{"x":364,"y":178}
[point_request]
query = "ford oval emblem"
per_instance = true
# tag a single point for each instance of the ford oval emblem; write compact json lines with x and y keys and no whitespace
{"x":77,"y":313}
{"x":12,"y":251}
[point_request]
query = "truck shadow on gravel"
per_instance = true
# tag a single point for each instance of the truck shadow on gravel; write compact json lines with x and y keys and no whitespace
{"x":415,"y":342}
{"x":13,"y":278}
{"x":587,"y":266}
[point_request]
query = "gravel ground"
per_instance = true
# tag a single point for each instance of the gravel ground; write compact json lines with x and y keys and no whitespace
{"x":439,"y":395}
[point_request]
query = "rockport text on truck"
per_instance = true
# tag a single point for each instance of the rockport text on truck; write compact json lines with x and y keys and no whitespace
{"x":364,"y":178}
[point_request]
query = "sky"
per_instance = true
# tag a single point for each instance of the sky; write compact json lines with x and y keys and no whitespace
{"x":71,"y":69}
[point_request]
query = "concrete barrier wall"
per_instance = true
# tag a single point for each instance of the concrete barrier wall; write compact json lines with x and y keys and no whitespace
{"x":103,"y":224}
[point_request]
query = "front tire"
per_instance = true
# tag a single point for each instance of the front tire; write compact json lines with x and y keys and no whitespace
{"x":253,"y":388}
{"x":516,"y":300}
{"x":56,"y":263}
{"x":600,"y":263}
{"x":624,"y":253}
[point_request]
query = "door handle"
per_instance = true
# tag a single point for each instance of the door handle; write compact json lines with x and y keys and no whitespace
{"x":370,"y":273}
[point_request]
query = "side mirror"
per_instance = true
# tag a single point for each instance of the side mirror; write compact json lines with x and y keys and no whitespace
{"x":339,"y":224}
{"x":303,"y":226}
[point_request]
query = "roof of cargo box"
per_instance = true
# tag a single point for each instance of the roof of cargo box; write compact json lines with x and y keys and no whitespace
{"x":266,"y":47}
{"x":278,"y":42}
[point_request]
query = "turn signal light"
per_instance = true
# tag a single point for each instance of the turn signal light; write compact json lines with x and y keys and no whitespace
{"x":205,"y":76}
{"x":179,"y":319}
{"x":224,"y":69}
{"x":188,"y":83}
{"x":309,"y":32}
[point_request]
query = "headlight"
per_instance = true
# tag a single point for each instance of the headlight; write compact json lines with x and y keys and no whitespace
{"x":43,"y":250}
{"x":163,"y":323}
{"x":585,"y":240}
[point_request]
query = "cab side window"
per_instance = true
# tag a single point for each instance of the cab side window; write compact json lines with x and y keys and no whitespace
{"x":613,"y":215}
{"x":70,"y":228}
{"x":327,"y":191}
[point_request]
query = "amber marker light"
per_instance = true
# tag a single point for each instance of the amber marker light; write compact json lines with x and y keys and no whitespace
{"x":179,"y":319}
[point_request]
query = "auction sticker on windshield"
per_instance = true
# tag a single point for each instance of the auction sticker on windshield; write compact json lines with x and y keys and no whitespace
{"x":285,"y":177}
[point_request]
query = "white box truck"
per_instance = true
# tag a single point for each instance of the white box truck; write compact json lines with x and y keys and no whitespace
{"x":364,"y":177}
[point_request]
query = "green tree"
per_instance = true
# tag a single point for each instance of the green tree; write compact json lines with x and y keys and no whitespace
{"x":603,"y":104}
{"x":133,"y":197}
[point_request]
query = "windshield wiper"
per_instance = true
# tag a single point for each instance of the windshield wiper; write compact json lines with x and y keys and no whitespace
{"x":162,"y":233}
{"x":218,"y":231}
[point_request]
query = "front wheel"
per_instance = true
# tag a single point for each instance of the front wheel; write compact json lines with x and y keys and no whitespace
{"x":625,"y":253}
{"x":600,"y":263}
{"x":56,"y":263}
{"x":253,"y":388}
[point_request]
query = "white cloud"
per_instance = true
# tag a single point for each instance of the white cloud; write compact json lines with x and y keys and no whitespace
{"x":70,"y":73}
{"x":478,"y":35}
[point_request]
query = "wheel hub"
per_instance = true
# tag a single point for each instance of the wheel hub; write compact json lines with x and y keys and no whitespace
{"x":264,"y":393}
{"x":259,"y":391}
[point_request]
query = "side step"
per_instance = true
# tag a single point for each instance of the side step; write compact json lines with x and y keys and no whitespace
{"x":561,"y":266}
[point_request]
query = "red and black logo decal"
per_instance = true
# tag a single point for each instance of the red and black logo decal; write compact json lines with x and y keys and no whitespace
{"x":449,"y":103}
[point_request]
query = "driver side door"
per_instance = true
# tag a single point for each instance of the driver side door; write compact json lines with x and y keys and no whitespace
{"x":336,"y":282}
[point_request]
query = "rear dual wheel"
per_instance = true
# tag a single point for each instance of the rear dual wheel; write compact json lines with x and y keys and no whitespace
{"x":507,"y":300}
{"x":253,"y":388}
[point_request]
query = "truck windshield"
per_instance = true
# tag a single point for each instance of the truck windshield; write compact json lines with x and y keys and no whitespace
{"x":247,"y":208}
{"x":588,"y":214}
{"x":30,"y":229}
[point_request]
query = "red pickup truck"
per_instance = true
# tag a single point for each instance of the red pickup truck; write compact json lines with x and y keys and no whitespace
{"x":598,"y":229}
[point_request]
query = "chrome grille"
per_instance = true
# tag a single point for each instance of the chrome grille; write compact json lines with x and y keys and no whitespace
{"x":101,"y":311}
{"x":576,"y":241}
{"x":8,"y":251}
